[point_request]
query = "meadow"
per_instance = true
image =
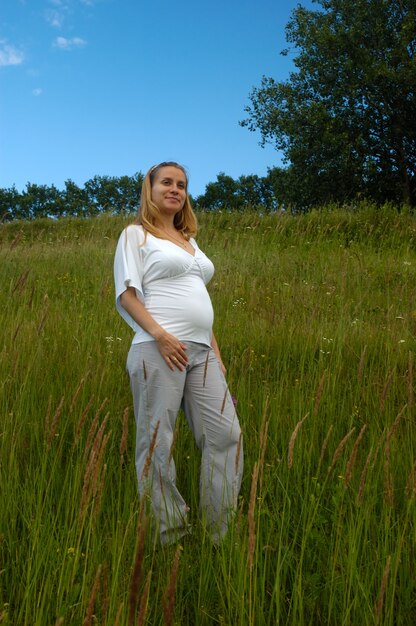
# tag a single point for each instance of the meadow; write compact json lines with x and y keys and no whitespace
{"x":316,"y":320}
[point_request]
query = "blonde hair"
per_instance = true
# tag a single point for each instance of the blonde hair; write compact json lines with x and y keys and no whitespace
{"x":149,"y":214}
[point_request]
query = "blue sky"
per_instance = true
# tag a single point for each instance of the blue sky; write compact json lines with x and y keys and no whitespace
{"x":110,"y":87}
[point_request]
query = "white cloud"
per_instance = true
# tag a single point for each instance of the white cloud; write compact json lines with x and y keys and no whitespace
{"x":37,"y":92}
{"x":55,"y":18}
{"x":9,"y":55}
{"x":57,"y":15}
{"x":69,"y":44}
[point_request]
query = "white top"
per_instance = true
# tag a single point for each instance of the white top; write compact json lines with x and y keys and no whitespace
{"x":169,"y":281}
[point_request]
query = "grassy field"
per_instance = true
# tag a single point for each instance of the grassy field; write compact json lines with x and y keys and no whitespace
{"x":316,"y":319}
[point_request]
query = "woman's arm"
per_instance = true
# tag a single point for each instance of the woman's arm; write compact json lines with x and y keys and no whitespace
{"x":216,"y":349}
{"x":172,"y":350}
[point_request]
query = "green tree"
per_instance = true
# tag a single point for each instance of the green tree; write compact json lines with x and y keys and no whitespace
{"x":249,"y":191}
{"x":76,"y":200}
{"x":345,"y":120}
{"x":221,"y":194}
{"x":9,"y":204}
{"x":112,"y":194}
{"x":40,"y":201}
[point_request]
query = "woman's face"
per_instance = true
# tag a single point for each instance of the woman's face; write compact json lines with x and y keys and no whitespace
{"x":169,"y":190}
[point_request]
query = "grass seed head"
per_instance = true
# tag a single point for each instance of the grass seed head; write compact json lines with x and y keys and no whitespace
{"x":293,"y":440}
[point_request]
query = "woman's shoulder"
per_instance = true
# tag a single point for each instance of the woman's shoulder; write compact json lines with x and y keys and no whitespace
{"x":133,"y":233}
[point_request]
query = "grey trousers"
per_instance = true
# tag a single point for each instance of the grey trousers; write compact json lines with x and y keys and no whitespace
{"x":201,"y":389}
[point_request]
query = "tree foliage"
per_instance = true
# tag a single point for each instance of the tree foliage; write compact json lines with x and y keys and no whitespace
{"x":346,"y":118}
{"x":100,"y":194}
{"x":249,"y":191}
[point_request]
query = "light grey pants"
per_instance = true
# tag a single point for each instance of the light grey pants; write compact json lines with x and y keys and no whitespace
{"x":158,"y":393}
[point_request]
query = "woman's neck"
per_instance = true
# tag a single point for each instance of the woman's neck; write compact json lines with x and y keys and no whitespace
{"x":166,"y":225}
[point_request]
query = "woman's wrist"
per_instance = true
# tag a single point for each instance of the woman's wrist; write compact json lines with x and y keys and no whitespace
{"x":157,"y":333}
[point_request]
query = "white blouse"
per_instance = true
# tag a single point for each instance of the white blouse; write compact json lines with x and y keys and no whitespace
{"x":169,"y":281}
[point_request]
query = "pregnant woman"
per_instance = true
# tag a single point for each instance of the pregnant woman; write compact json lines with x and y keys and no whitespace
{"x":174,"y":360}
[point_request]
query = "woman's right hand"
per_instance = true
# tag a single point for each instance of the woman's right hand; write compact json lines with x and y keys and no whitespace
{"x":172,"y":350}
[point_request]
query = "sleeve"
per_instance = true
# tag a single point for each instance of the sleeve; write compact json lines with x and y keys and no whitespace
{"x":128,"y":269}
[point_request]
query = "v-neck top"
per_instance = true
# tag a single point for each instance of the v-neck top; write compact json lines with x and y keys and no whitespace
{"x":169,"y":281}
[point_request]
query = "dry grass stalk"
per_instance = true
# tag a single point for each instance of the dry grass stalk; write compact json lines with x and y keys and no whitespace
{"x":410,"y":381}
{"x":82,"y":419}
{"x":361,"y":365}
{"x":388,"y":479}
{"x":137,"y":573}
{"x":42,"y":322}
{"x":149,"y":457}
{"x":411,"y":482}
{"x":105,"y":289}
{"x":378,"y":608}
{"x":93,"y":428}
{"x":353,"y":456}
{"x":370,"y":457}
{"x":380,"y":441}
{"x":238,"y":453}
{"x":59,"y":621}
{"x":16,"y":332}
{"x":340,"y":448}
{"x":386,"y":388}
{"x":251,"y":520}
{"x":21,"y":282}
{"x":205,"y":370}
{"x":48,"y":415}
{"x":169,"y":600}
{"x":91,"y":602}
{"x":30,"y":301}
{"x":92,"y":471}
{"x":100,"y":485}
{"x":393,"y":429}
{"x":54,"y":423}
{"x":318,"y":395}
{"x":293,"y":440}
{"x":119,"y":614}
{"x":264,"y":429}
{"x":239,"y":518}
{"x":224,"y":400}
{"x":324,"y":445}
{"x":77,"y":392}
{"x":105,"y":598}
{"x":16,"y":240}
{"x":99,"y":456}
{"x":144,"y":601}
{"x":124,"y":436}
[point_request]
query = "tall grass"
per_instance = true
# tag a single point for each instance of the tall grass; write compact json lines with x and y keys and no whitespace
{"x":316,"y":319}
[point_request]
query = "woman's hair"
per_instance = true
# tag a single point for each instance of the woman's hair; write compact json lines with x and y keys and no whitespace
{"x":149,"y":214}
